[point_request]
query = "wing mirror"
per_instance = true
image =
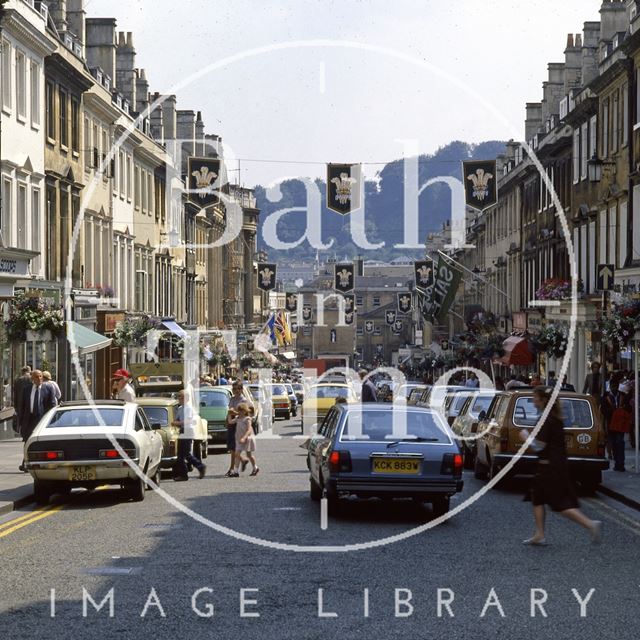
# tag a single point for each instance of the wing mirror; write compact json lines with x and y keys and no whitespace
{"x":156,"y":426}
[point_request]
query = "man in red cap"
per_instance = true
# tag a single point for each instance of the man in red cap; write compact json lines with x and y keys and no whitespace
{"x":123,"y":389}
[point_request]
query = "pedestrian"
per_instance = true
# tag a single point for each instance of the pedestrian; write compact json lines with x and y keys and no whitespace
{"x":499,"y":384}
{"x":616,"y":408}
{"x":19,"y":387}
{"x":593,"y":383}
{"x":37,"y":399}
{"x":245,"y":441}
{"x":567,"y":386}
{"x":238,"y":397}
{"x":551,"y":379}
{"x":369,"y":393}
{"x":536,"y":380}
{"x":552,"y":484}
{"x":123,"y":389}
{"x":48,"y":380}
{"x":186,"y":422}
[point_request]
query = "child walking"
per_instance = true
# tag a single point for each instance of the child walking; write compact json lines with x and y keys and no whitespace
{"x":245,"y":439}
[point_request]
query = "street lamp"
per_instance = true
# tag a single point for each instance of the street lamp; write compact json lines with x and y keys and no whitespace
{"x":594,"y":169}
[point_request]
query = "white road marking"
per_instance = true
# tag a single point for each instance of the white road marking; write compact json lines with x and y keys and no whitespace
{"x":287,"y":509}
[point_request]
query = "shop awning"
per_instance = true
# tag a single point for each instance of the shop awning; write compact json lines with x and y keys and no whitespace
{"x":175,"y":328}
{"x":517,"y":352}
{"x":86,"y":340}
{"x":288,"y":355}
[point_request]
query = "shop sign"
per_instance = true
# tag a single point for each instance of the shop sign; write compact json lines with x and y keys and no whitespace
{"x":534,"y":322}
{"x":111,"y":321}
{"x":519,"y":321}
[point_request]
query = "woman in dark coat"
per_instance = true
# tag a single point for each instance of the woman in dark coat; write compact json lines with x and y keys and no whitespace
{"x":552,"y":483}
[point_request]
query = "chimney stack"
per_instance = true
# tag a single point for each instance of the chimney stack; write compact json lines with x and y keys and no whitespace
{"x":591,"y":31}
{"x":553,"y":90}
{"x":142,"y":91}
{"x":126,"y":68}
{"x":533,"y":121}
{"x":186,"y":120}
{"x":101,"y":45}
{"x":169,"y":118}
{"x":156,"y":120}
{"x":76,"y":17}
{"x":200,"y":130}
{"x":573,"y":63}
{"x":58,"y":13}
{"x":613,"y":19}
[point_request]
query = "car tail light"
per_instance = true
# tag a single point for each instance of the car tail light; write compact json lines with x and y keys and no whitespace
{"x":452,"y":464}
{"x":114,"y":454}
{"x":504,"y":439}
{"x":340,"y":461}
{"x":45,"y":456}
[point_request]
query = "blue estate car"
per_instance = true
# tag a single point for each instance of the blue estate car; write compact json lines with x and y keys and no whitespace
{"x":357,"y":451}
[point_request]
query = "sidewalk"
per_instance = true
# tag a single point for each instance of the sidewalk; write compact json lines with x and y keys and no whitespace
{"x":16,"y":488}
{"x":624,"y":487}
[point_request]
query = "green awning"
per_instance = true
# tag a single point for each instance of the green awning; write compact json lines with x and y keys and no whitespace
{"x":85,"y":340}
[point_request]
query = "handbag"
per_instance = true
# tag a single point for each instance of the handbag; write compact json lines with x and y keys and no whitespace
{"x":621,"y":420}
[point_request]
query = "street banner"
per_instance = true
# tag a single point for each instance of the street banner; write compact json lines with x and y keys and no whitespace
{"x":344,"y":182}
{"x":306,"y":312}
{"x":405,"y":303}
{"x":294,"y":327}
{"x":349,"y":302}
{"x":291,"y":302}
{"x":267,"y":276}
{"x":344,"y":275}
{"x":444,"y":290}
{"x":398,"y":326}
{"x":369,"y":327}
{"x":390,"y":317}
{"x":480,"y":178}
{"x":423,"y":273}
{"x":349,"y":317}
{"x":204,"y":180}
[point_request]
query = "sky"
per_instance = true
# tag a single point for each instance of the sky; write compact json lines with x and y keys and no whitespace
{"x":350,"y":81}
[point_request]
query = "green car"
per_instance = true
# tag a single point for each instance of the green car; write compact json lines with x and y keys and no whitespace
{"x":213,"y":405}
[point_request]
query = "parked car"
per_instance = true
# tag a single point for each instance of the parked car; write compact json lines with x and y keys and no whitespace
{"x":298,"y":389}
{"x":321,"y":397}
{"x":70,"y":448}
{"x":212,"y":405}
{"x":162,"y":411}
{"x":280,"y":401}
{"x":356,"y":452}
{"x":512,"y":411}
{"x":465,"y":424}
{"x":293,"y":399}
{"x":416,"y":393}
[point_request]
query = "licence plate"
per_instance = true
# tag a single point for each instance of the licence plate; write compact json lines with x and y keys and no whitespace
{"x":81,"y":474}
{"x":396,"y":466}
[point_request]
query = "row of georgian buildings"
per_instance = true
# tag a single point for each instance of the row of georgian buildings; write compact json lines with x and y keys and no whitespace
{"x":585,"y":133}
{"x":117,"y":223}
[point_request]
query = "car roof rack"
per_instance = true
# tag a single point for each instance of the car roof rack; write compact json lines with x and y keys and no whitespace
{"x":84,"y":403}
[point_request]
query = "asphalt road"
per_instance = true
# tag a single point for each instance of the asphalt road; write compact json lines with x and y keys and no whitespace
{"x":94,"y":541}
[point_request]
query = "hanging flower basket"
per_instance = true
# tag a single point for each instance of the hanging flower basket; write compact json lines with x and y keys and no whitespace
{"x":553,"y":339}
{"x":482,"y":322}
{"x":32,"y":316}
{"x":557,"y":289}
{"x":621,"y":324}
{"x":133,"y":330}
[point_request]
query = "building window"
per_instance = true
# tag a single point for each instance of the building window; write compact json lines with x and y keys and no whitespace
{"x":103,"y":155}
{"x":22,"y":215}
{"x":87,"y":145}
{"x":605,"y":129}
{"x":602,"y":258}
{"x":593,"y":137}
{"x":624,"y":235}
{"x":614,"y":125}
{"x":576,"y":156}
{"x":7,"y":192}
{"x":64,"y":118}
{"x":35,"y":94}
{"x":376,"y":301}
{"x":128,"y":177}
{"x":625,"y":115}
{"x":583,"y":151}
{"x":75,"y":125}
{"x":136,"y":187}
{"x":21,"y":84}
{"x":6,"y":75}
{"x":51,"y":111}
{"x":35,"y":229}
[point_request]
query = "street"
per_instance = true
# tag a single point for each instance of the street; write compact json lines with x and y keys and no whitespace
{"x":96,"y":541}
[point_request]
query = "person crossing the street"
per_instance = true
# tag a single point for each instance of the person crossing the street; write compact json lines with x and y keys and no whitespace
{"x":245,"y":440}
{"x":552,"y":484}
{"x":186,"y":422}
{"x":236,"y":399}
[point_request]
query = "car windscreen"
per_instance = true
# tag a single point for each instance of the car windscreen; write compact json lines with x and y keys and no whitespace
{"x":330,"y":392}
{"x":375,"y":425}
{"x":86,"y":417}
{"x":256,"y":392}
{"x":298,"y":387}
{"x":576,"y":413}
{"x":157,"y":415}
{"x":278,"y":390}
{"x":213,"y":398}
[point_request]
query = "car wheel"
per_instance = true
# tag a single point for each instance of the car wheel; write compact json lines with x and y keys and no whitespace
{"x":288,"y":416}
{"x":590,"y":482}
{"x":136,"y":489}
{"x":440,"y":506}
{"x":480,"y":470}
{"x":156,"y":477}
{"x":41,"y":492}
{"x":315,"y":490}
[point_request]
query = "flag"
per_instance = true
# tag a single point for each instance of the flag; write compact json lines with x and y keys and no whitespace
{"x":344,"y":182}
{"x":282,"y":329}
{"x":267,"y":276}
{"x":405,"y":303}
{"x":480,"y":178}
{"x":344,"y":275}
{"x":445,"y":287}
{"x":204,"y":180}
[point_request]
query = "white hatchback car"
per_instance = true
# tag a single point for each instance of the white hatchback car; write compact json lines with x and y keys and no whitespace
{"x":69,"y":448}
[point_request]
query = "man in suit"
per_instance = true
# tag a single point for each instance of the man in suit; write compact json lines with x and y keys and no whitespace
{"x":19,"y":387}
{"x":37,"y":399}
{"x":369,"y":393}
{"x":593,"y":383}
